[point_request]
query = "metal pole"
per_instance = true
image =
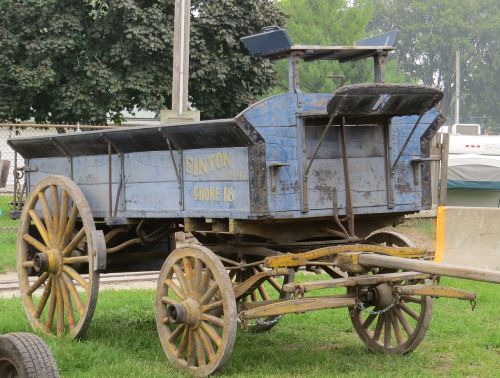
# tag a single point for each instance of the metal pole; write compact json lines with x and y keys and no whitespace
{"x":457,"y":87}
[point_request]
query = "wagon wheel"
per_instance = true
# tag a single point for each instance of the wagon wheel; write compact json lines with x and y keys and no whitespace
{"x":196,"y":310}
{"x":260,"y":293}
{"x":390,"y":324}
{"x":58,"y":247}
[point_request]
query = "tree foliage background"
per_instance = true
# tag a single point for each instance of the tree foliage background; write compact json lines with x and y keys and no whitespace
{"x":431,"y":32}
{"x":68,"y":61}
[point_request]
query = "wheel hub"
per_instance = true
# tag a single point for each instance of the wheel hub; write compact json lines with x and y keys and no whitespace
{"x":383,"y":295}
{"x":48,"y":262}
{"x":187,"y":312}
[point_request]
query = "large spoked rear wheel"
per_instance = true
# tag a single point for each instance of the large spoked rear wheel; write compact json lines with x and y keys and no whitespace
{"x":54,"y":244}
{"x":388,"y":323}
{"x":196,"y":310}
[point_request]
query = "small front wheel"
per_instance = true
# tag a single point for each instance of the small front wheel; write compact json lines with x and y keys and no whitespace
{"x":196,"y":310}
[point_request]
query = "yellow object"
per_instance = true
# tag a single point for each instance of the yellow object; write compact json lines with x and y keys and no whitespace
{"x":440,"y":234}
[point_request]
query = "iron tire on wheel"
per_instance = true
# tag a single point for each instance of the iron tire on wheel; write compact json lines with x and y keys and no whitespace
{"x":196,"y":310}
{"x":24,"y":355}
{"x":54,"y":240}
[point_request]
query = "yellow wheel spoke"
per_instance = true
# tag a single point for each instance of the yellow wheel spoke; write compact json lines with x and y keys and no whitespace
{"x":37,"y":283}
{"x":70,"y":225}
{"x":55,"y":211}
{"x":209,"y":293}
{"x":74,"y":243}
{"x":60,"y":309}
{"x":168,"y":301}
{"x":52,"y":307}
{"x":211,"y":306}
{"x":378,"y":328}
{"x":74,"y":274}
{"x":68,"y":306}
{"x":184,"y":342}
{"x":197,"y":275}
{"x":211,"y":332}
{"x":214,"y":320}
{"x":188,"y":273}
{"x":176,"y":289}
{"x":207,"y":344}
{"x":182,"y":279}
{"x":174,"y":335}
{"x":200,"y":350}
{"x":63,"y":217}
{"x":75,"y":260}
{"x":39,"y":226}
{"x":190,"y":348}
{"x":404,"y":322}
{"x":74,"y":293}
{"x":35,"y":243}
{"x":397,"y":329}
{"x":47,"y":217}
{"x":387,"y":330}
{"x":43,"y":298}
{"x":408,"y":310}
{"x":205,"y":281}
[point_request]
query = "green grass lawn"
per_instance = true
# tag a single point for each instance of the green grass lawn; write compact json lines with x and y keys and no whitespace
{"x":122,"y":342}
{"x":7,"y":237}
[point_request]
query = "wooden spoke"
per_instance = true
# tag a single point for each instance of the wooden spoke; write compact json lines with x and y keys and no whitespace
{"x":213,"y":319}
{"x":60,"y":309}
{"x":37,"y":283}
{"x":274,"y":283}
{"x":176,"y":289}
{"x":210,"y":331}
{"x":200,"y":350}
{"x":211,"y":306}
{"x":188,"y":273}
{"x":404,"y":322}
{"x":62,"y":221}
{"x":74,"y":293}
{"x":40,"y":227}
{"x":35,"y":243}
{"x":207,"y":344}
{"x":55,"y":211}
{"x":52,"y":307}
{"x":70,"y":225}
{"x":369,"y":320}
{"x":205,"y":281}
{"x":184,"y":342}
{"x":412,"y":299}
{"x":396,"y":328}
{"x":176,"y":333}
{"x":190,"y":349}
{"x":166,"y":300}
{"x":263,"y":293}
{"x":76,"y":260}
{"x":47,"y":217}
{"x":74,"y":275}
{"x":387,"y":330}
{"x":196,"y":310}
{"x":179,"y":274}
{"x":68,"y":306}
{"x":209,"y":293}
{"x":408,"y":310}
{"x":74,"y":243}
{"x":63,"y":217}
{"x":253,"y":295}
{"x":44,"y":298}
{"x":378,"y":328}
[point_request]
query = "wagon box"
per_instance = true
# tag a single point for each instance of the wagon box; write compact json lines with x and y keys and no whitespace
{"x":295,"y":181}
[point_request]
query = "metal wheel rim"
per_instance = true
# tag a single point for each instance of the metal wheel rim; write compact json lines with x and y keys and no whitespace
{"x":195,"y":347}
{"x":60,"y":294}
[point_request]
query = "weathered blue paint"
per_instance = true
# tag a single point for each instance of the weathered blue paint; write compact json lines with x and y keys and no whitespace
{"x":216,"y":182}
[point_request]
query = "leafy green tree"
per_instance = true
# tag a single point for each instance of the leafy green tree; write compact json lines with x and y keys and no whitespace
{"x":69,"y":61}
{"x":330,"y":22}
{"x":432,"y":31}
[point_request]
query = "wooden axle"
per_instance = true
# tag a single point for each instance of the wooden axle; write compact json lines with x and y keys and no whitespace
{"x":448,"y":270}
{"x":435,"y":291}
{"x":297,"y":306}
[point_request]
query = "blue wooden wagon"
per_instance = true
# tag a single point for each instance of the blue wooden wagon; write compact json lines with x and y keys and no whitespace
{"x":297,"y":180}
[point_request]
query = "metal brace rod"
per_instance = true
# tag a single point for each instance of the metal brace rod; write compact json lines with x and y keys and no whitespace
{"x":347,"y":180}
{"x":177,"y":172}
{"x":406,"y":142}
{"x":320,"y":142}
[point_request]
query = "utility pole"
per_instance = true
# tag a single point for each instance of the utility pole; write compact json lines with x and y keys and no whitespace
{"x":180,"y":72}
{"x":457,"y":87}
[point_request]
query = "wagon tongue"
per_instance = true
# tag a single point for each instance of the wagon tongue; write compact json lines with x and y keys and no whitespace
{"x":383,"y":100}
